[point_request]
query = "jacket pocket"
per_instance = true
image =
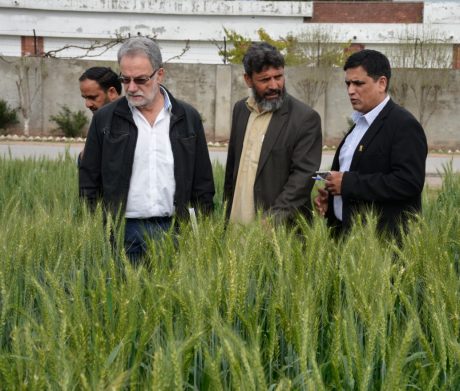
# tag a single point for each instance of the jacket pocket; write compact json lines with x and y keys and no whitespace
{"x":114,"y":138}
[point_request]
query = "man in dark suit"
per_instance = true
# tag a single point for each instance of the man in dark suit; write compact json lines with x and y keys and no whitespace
{"x":275,"y":145}
{"x":380,"y":164}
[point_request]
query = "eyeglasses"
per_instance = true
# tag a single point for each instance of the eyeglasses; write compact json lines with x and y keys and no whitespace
{"x":137,"y":80}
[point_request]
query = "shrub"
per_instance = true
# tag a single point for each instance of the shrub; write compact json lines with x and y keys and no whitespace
{"x":7,"y":116}
{"x":69,"y":122}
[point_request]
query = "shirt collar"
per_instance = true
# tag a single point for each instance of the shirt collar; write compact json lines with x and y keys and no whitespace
{"x":168,"y":104}
{"x":252,"y":105}
{"x":371,"y":115}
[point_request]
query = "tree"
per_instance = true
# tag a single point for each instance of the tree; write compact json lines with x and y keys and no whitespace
{"x":314,"y":85}
{"x":315,"y":52}
{"x":288,"y":46}
{"x":314,"y":47}
{"x":240,"y":45}
{"x":320,"y":47}
{"x":97,"y":48}
{"x":28,"y":83}
{"x":426,"y":52}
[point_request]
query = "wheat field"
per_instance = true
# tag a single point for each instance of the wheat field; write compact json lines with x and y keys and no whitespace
{"x":221,"y":308}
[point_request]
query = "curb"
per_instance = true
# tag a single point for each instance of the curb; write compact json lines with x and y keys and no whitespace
{"x":52,"y":139}
{"x":71,"y":140}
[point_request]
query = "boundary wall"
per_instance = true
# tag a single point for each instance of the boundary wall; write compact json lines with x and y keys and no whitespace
{"x":214,"y":89}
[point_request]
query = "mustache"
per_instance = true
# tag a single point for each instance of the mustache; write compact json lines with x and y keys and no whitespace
{"x":272,"y":91}
{"x":135,"y":94}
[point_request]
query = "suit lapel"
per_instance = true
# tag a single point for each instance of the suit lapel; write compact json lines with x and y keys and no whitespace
{"x":240,"y":128}
{"x":369,"y":135}
{"x":275,"y":127}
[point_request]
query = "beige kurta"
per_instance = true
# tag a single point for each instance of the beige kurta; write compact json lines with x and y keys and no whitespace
{"x":243,"y":209}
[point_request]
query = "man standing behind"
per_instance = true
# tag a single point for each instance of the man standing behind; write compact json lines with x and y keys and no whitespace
{"x":146,"y":153}
{"x":275,"y":145}
{"x":98,"y":86}
{"x":381,"y":161}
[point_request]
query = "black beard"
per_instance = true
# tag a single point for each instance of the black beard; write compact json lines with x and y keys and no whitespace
{"x":269,"y":104}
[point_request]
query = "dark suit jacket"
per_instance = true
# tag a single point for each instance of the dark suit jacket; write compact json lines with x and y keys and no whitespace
{"x":290,"y":155}
{"x":387,"y":172}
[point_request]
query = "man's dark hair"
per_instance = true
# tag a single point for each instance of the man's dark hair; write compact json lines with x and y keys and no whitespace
{"x":104,"y":76}
{"x":376,"y":64}
{"x":261,"y":55}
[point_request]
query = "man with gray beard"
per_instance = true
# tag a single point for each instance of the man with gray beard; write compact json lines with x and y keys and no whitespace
{"x":275,"y":145}
{"x":146,"y":157}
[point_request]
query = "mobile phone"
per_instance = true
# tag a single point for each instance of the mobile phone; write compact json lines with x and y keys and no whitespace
{"x":321,"y":175}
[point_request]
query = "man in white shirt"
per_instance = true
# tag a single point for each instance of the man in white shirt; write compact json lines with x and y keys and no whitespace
{"x":380,"y":164}
{"x":146,"y":155}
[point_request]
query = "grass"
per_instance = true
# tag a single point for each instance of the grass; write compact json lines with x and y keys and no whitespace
{"x":231,"y":308}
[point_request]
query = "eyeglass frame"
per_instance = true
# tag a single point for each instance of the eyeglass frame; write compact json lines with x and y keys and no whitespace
{"x":140,"y":80}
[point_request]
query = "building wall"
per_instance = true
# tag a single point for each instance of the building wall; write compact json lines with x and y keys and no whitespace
{"x":69,"y":27}
{"x":367,"y":12}
{"x":213,"y":90}
{"x":78,"y":23}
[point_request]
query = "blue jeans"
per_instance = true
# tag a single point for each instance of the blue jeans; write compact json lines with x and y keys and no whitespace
{"x":138,"y":231}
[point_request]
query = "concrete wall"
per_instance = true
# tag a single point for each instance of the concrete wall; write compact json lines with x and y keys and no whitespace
{"x":214,"y":89}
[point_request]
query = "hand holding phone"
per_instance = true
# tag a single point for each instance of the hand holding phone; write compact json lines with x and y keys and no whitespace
{"x":321,"y":175}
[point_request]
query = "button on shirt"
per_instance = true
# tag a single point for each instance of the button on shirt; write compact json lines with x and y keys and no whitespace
{"x":362,"y":123}
{"x":152,"y":186}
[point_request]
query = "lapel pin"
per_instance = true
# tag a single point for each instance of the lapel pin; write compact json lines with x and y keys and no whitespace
{"x":361,"y":147}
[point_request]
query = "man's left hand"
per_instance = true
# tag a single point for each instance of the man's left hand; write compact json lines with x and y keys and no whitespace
{"x":333,"y":183}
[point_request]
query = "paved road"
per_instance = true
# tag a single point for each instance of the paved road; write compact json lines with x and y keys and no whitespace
{"x":21,"y":150}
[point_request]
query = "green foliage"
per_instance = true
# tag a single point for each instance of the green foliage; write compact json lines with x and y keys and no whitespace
{"x":226,"y":308}
{"x":8,"y":116}
{"x":322,"y":48}
{"x":288,"y":46}
{"x":315,"y":47}
{"x":71,"y":123}
{"x":240,"y":45}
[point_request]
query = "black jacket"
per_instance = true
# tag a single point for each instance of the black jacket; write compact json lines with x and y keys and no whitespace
{"x":106,"y":166}
{"x":387,"y":172}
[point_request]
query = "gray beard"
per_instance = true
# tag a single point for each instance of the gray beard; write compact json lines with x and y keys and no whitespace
{"x":269,"y":105}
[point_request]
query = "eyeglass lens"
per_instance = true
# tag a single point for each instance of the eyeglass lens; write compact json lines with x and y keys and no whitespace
{"x":137,"y":80}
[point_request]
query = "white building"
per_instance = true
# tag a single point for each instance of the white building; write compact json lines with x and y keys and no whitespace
{"x":34,"y":26}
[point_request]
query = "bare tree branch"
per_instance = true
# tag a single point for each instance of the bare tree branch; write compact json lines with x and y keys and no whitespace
{"x":29,"y":70}
{"x":185,"y":49}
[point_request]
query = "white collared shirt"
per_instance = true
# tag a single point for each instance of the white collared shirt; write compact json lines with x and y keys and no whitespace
{"x":362,"y":124}
{"x":152,"y":186}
